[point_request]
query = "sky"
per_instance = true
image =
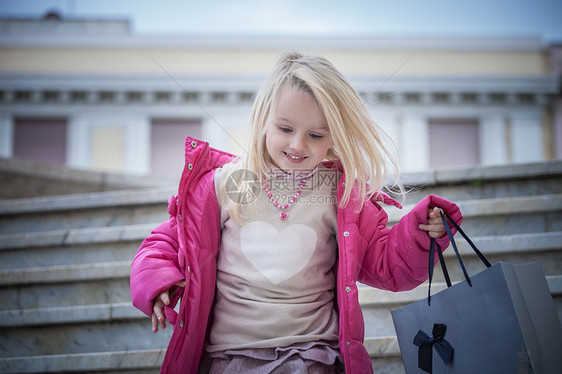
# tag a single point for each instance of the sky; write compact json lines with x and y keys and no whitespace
{"x":413,"y":18}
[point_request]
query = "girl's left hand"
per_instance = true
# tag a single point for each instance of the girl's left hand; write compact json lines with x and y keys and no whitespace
{"x":160,"y":301}
{"x":434,"y":227}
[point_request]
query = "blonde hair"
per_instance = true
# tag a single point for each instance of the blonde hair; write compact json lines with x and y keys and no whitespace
{"x":363,"y":149}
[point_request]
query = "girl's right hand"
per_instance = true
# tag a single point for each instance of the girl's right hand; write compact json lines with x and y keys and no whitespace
{"x":160,"y":302}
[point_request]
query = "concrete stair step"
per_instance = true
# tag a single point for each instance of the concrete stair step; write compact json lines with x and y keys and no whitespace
{"x":388,"y":365}
{"x":85,"y":201}
{"x":69,"y":315}
{"x":494,"y":206}
{"x":98,"y":209}
{"x":517,"y":248}
{"x":146,"y":361}
{"x":94,"y":244}
{"x":85,"y":337}
{"x":501,"y":216}
{"x":76,"y":236}
{"x":81,"y":219}
{"x":486,"y":182}
{"x":134,"y":361}
{"x":65,"y":273}
{"x":49,"y":295}
{"x":74,"y":254}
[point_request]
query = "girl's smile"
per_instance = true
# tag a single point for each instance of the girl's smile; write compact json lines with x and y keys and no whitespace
{"x":295,"y":159}
{"x":297,"y":135}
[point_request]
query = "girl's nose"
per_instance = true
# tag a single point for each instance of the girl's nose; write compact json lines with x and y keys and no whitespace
{"x":298,"y":144}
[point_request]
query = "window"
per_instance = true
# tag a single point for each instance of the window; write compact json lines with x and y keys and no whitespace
{"x":453,"y":142}
{"x":40,"y":139}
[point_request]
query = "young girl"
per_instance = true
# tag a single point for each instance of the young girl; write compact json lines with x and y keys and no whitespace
{"x":265,"y":250}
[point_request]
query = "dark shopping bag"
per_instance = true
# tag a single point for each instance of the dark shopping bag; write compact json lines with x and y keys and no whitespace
{"x":501,"y":320}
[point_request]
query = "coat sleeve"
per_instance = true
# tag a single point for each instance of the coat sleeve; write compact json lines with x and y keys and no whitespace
{"x":155,"y":267}
{"x":397,"y":257}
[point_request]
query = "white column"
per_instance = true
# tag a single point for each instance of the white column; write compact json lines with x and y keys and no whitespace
{"x":6,"y":136}
{"x":137,"y":145}
{"x":414,"y":143}
{"x":213,"y":131}
{"x":227,"y":129}
{"x":387,"y":121}
{"x":527,"y":137}
{"x":78,"y":146}
{"x":493,"y":140}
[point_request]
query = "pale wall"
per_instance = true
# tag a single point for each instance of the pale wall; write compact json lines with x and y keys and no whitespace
{"x":259,"y":62}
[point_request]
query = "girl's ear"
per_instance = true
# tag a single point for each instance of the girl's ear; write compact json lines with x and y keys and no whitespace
{"x":331,"y":154}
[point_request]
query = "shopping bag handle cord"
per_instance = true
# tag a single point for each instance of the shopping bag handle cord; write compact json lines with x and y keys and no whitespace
{"x":431,"y":265}
{"x":444,"y":217}
{"x":476,"y":250}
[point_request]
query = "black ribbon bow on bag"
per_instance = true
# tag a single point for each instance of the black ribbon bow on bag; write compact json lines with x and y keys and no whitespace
{"x":427,"y":343}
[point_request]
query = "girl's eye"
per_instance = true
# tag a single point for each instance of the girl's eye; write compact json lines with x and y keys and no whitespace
{"x":284,"y":129}
{"x":316,"y":136}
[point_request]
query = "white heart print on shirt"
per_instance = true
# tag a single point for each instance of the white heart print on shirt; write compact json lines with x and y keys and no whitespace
{"x":278,"y":255}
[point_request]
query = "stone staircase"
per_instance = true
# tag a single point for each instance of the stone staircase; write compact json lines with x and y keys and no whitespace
{"x":64,"y":288}
{"x":65,"y":261}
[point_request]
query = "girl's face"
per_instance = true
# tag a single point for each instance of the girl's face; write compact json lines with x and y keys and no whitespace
{"x":297,"y":137}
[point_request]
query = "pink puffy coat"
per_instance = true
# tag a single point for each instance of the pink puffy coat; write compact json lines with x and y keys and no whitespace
{"x":186,"y":247}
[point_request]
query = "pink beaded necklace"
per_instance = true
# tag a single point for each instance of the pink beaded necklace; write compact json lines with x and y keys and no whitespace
{"x":282,"y":215}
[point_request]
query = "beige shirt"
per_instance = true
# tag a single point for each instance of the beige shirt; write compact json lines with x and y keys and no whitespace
{"x":275,"y":278}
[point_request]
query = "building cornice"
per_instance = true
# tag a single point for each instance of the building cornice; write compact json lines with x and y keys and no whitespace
{"x":544,"y":84}
{"x":231,"y":89}
{"x":241,"y":42}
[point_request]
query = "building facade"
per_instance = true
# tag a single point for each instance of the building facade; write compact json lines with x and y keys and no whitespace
{"x":91,"y":95}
